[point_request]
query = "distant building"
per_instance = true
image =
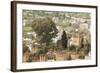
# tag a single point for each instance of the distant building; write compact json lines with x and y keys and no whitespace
{"x":84,"y":26}
{"x":76,"y":39}
{"x":42,"y":57}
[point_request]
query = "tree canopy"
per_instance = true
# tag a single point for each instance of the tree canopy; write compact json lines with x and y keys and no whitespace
{"x":45,"y":29}
{"x":64,"y":40}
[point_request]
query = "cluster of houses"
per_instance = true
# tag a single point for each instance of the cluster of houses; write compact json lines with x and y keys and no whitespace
{"x":34,"y":54}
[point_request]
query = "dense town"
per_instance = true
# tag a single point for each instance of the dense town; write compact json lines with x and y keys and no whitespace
{"x":56,"y":36}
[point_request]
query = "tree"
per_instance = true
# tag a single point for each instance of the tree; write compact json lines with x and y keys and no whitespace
{"x":45,"y":29}
{"x":64,"y":40}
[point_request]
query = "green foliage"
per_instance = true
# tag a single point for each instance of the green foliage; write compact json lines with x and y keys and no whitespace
{"x":45,"y":29}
